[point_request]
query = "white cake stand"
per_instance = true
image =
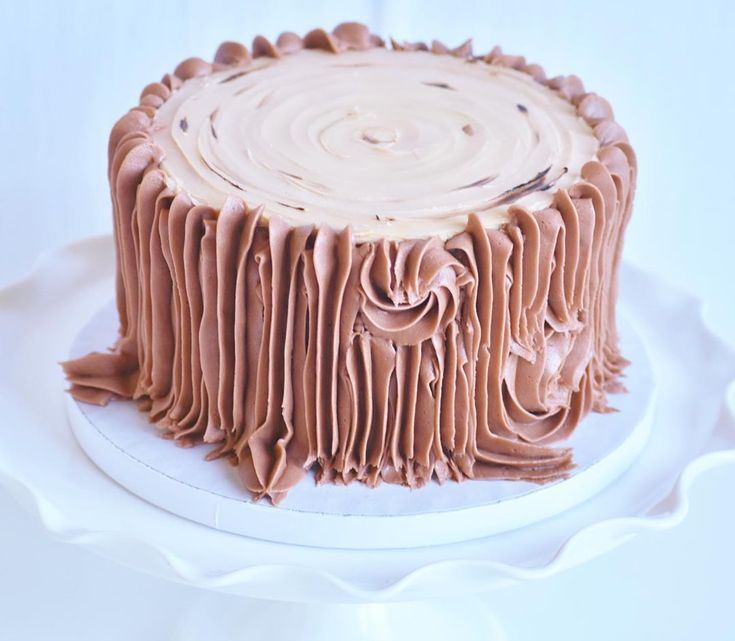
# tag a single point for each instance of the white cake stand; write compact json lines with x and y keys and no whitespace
{"x":330,"y":591}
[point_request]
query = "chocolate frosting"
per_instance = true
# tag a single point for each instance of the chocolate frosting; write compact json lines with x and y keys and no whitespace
{"x":295,"y":346}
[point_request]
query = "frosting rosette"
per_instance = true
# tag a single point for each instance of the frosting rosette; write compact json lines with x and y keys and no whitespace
{"x":376,"y":264}
{"x":410,"y":291}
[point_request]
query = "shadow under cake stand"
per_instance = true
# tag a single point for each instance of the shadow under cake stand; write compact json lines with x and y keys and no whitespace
{"x":347,"y":561}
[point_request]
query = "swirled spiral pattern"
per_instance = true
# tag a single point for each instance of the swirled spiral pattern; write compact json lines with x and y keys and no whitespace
{"x":396,"y":146}
{"x":315,"y":338}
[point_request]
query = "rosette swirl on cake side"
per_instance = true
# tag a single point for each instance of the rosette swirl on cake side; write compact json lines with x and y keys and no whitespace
{"x":410,"y":291}
{"x":376,"y":264}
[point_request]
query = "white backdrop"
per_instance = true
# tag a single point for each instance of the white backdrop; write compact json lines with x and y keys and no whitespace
{"x":68,"y":70}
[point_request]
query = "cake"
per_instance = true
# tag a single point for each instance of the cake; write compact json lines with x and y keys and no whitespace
{"x":372,"y":262}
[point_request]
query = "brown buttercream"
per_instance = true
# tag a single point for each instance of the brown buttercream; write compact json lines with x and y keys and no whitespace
{"x":292,"y":348}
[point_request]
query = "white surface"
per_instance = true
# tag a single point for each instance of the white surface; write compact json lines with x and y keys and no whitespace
{"x":668,"y":83}
{"x":122,"y":443}
{"x":55,"y":591}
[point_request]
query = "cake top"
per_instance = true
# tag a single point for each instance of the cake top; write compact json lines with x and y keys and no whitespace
{"x":397,"y":144}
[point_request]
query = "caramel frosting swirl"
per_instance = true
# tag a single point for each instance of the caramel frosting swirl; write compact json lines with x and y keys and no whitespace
{"x":377,"y":265}
{"x":394,"y":146}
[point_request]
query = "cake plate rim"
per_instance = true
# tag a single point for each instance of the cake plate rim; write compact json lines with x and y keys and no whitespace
{"x":298,"y":581}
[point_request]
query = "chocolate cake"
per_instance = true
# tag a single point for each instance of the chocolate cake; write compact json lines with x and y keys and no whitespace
{"x":379,"y":263}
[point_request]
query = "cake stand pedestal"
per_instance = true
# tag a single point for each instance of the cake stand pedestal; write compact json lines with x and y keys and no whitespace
{"x":285,"y":590}
{"x":215,"y":617}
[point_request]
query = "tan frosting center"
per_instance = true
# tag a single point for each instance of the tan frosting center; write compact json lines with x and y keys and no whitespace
{"x":396,"y":144}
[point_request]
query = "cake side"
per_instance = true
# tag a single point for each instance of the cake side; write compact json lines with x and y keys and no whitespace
{"x":297,"y":347}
